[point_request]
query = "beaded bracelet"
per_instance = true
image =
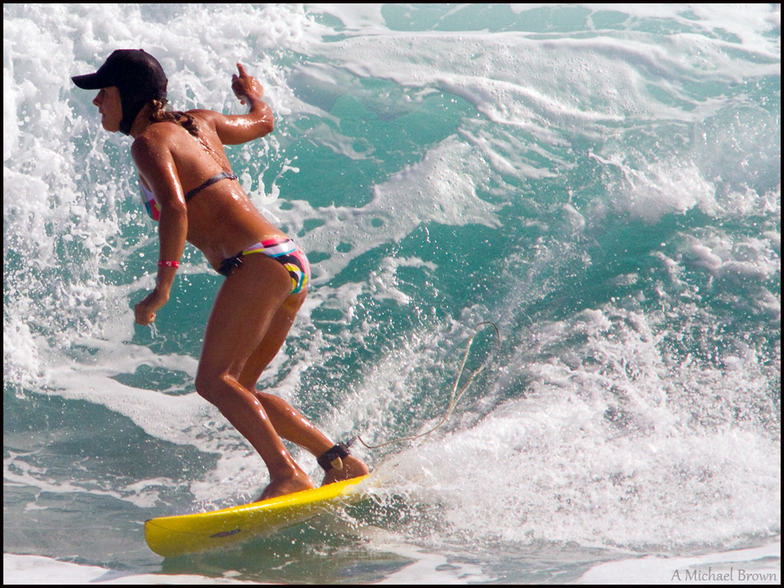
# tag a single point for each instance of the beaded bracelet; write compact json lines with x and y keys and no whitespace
{"x":174,"y":264}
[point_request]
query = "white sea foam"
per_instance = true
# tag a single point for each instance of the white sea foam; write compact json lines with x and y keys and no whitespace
{"x":605,"y":428}
{"x":509,"y":77}
{"x":34,"y":569}
{"x":441,"y":188}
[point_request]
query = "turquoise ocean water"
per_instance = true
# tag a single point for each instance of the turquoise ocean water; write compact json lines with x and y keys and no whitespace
{"x":601,"y":182}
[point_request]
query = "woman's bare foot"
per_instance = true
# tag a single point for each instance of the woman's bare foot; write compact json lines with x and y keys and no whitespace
{"x":286,"y":485}
{"x":352,"y":467}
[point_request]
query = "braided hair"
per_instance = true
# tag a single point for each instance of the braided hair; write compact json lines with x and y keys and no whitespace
{"x":158,"y":113}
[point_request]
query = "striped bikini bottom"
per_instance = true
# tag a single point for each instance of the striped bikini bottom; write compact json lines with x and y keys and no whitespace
{"x":284,"y":251}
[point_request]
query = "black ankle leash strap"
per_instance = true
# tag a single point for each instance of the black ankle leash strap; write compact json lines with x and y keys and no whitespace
{"x":333,"y":458}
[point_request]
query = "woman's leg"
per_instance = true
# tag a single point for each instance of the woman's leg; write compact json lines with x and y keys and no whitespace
{"x":293,"y":426}
{"x":289,"y":422}
{"x":241,"y":317}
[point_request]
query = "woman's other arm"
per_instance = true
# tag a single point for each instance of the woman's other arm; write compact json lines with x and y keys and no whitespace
{"x":156,"y":166}
{"x":242,"y":128}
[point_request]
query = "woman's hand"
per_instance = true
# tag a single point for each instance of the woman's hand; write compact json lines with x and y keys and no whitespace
{"x":235,"y":129}
{"x":246,"y":88}
{"x":146,"y":309}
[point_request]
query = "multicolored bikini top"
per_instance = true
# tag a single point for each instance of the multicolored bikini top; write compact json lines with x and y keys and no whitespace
{"x":149,"y":203}
{"x":154,"y":210}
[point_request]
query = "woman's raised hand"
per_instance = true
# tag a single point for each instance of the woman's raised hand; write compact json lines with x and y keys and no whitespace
{"x":246,"y":87}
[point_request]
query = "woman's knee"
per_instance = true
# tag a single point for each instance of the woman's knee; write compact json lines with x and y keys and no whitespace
{"x":209,"y":385}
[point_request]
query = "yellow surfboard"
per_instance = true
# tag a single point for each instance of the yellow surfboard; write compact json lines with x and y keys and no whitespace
{"x":177,"y":535}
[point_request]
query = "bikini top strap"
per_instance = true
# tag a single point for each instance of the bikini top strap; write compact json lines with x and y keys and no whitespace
{"x":216,"y":178}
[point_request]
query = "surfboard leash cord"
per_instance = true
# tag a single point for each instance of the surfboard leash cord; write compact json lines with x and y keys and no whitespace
{"x":455,"y":396}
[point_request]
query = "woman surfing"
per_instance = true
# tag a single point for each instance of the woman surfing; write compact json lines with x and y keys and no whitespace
{"x":189,"y":188}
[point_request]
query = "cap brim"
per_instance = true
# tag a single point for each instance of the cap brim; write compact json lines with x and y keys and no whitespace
{"x":89,"y":82}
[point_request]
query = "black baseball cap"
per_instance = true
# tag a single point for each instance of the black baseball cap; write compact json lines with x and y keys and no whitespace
{"x":136,"y":74}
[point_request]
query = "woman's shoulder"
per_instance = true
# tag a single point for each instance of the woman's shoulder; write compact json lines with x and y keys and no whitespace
{"x":165,"y":130}
{"x":156,"y":139}
{"x":157,"y":134}
{"x":204,"y":115}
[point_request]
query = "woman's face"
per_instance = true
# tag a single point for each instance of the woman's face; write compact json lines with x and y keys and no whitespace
{"x":110,"y":106}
